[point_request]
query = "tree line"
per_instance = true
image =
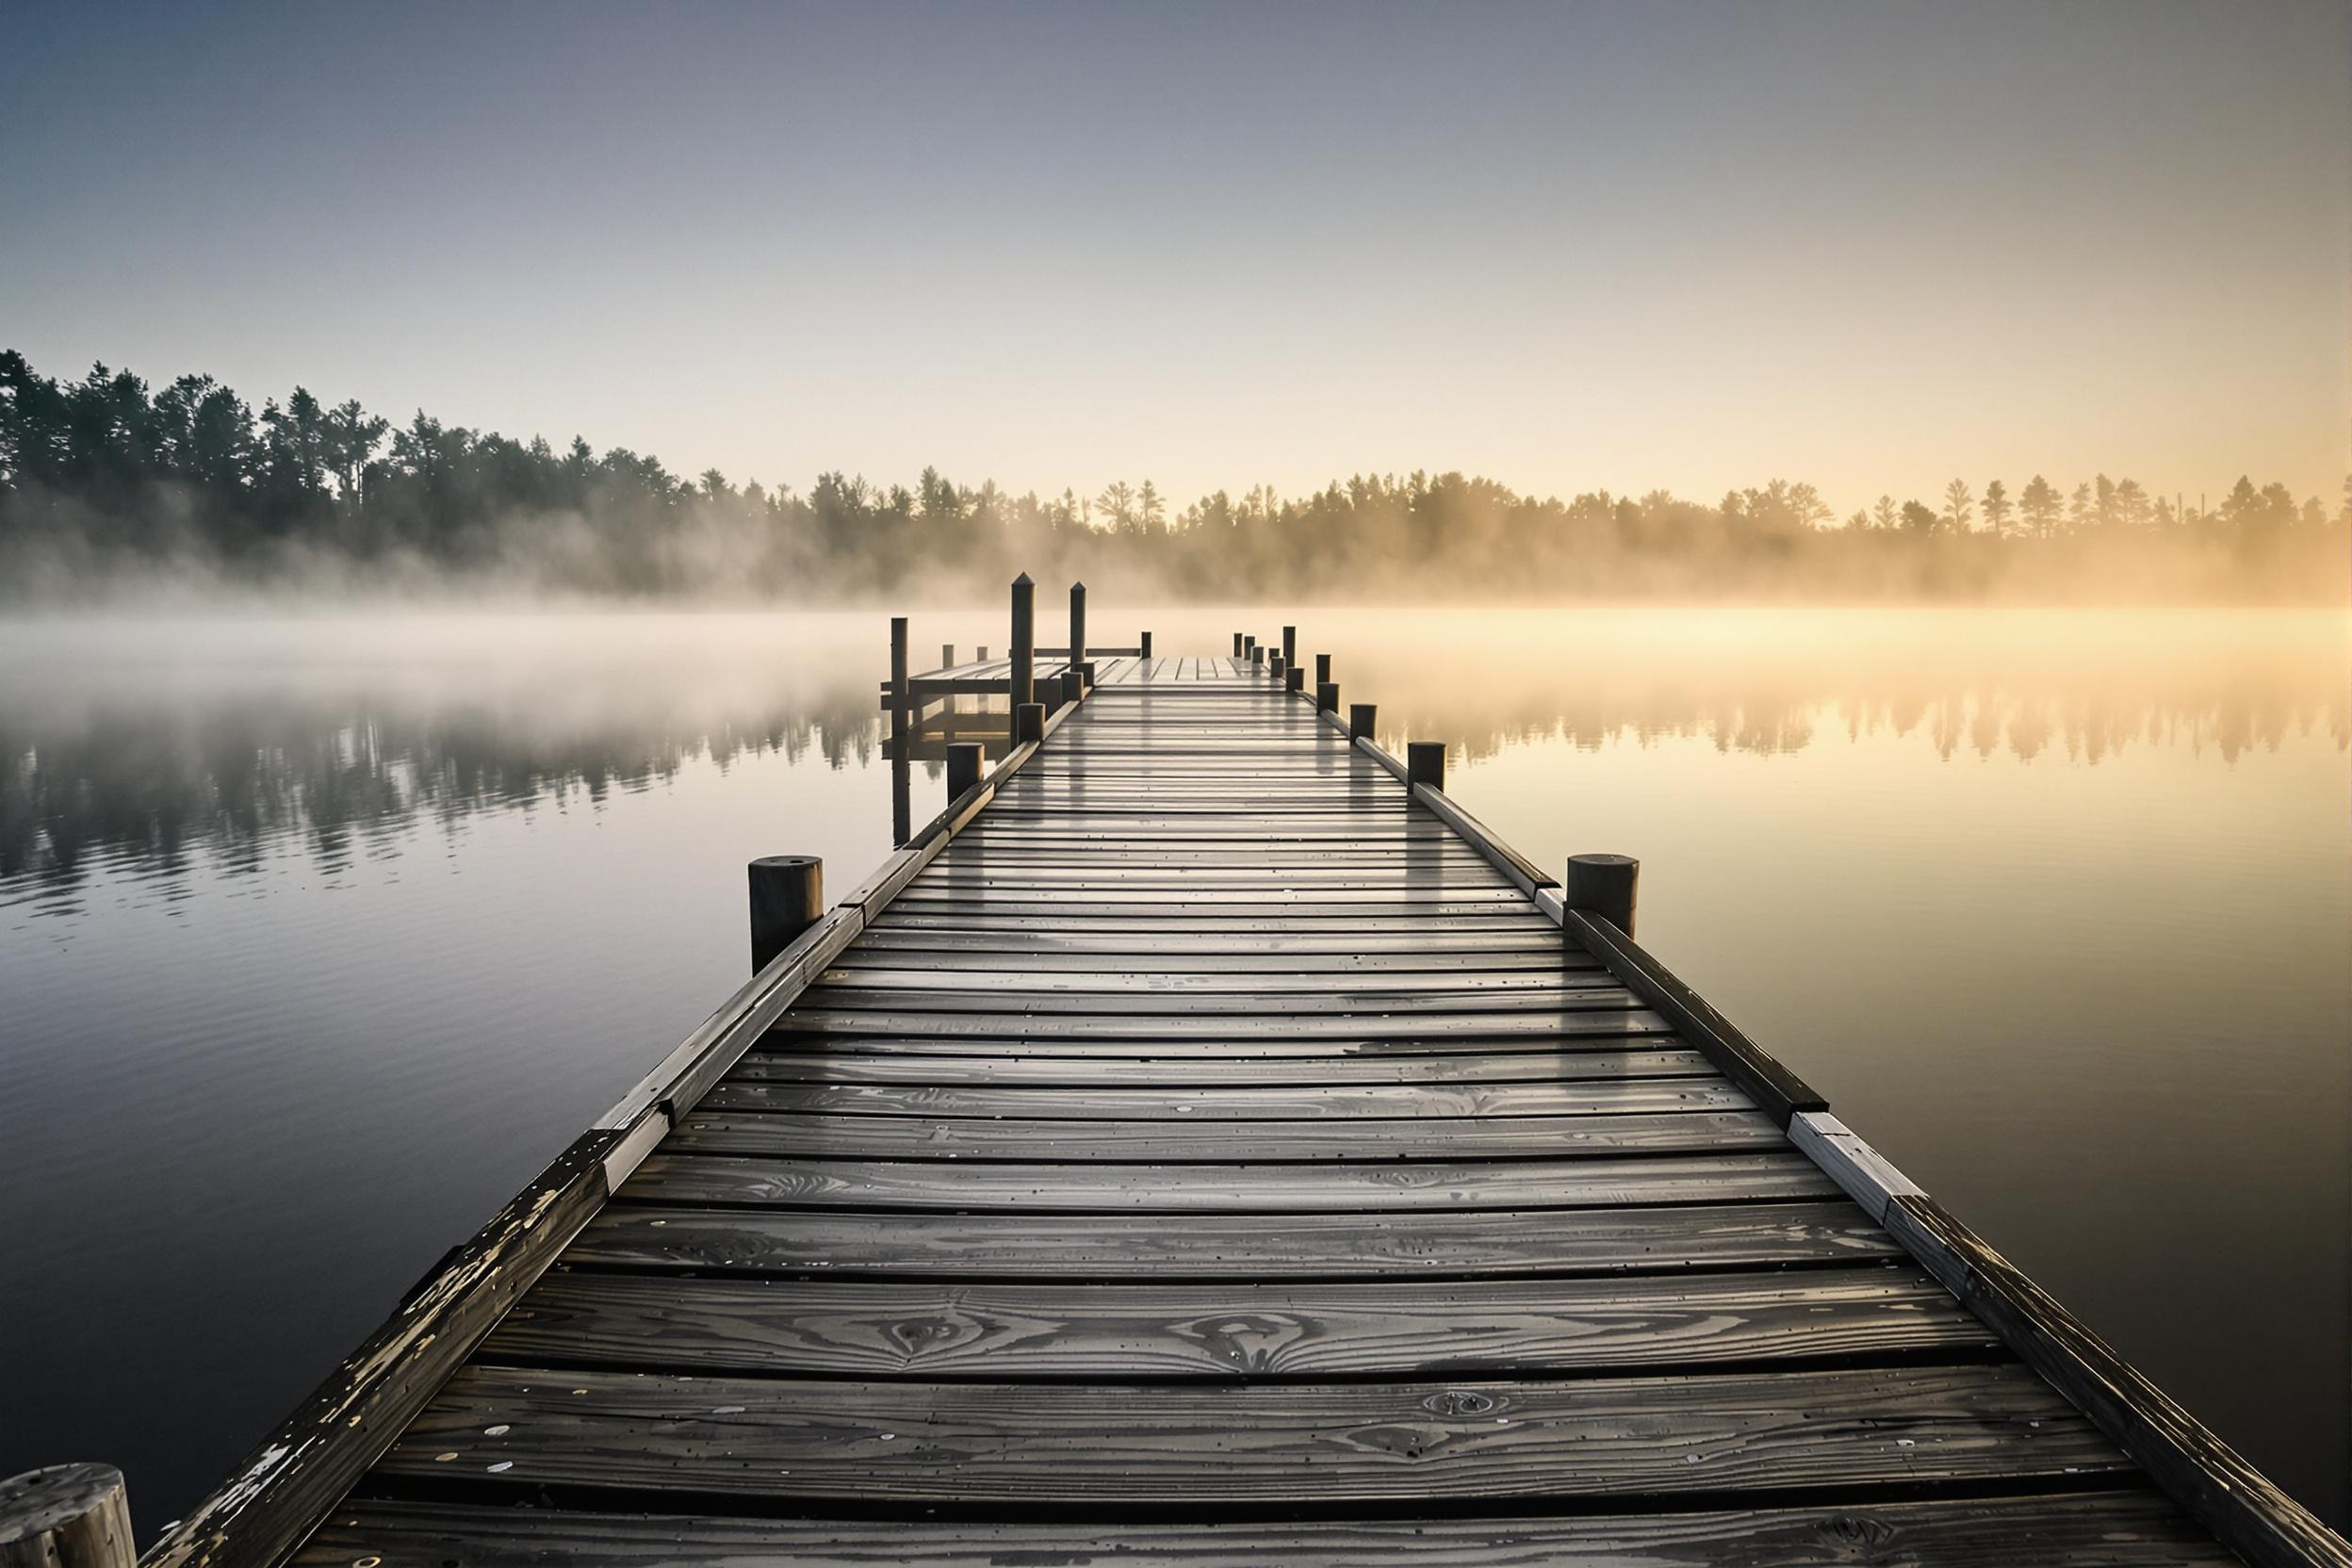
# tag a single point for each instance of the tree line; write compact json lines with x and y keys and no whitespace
{"x":106,"y":478}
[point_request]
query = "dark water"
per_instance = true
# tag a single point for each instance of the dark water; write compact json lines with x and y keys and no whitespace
{"x":317,"y":937}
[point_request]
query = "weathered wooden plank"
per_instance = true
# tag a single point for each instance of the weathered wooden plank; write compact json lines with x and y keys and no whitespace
{"x":1595,"y":988}
{"x":1608,"y":1013}
{"x":1300,"y":1190}
{"x":1179,"y":942}
{"x":973,"y":954}
{"x":1406,"y":1328}
{"x":2079,"y":1529}
{"x":1064,"y":1104}
{"x":821,"y":1136}
{"x":1202,"y":1246}
{"x":1046,"y":1444}
{"x":816,"y":1059}
{"x":1165,"y":987}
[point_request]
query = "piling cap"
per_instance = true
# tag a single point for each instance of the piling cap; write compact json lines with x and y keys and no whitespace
{"x":1022,"y":582}
{"x":787,"y":862}
{"x":1077,"y":585}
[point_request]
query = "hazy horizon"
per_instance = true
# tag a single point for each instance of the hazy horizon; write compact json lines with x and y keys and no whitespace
{"x":1682,"y":246}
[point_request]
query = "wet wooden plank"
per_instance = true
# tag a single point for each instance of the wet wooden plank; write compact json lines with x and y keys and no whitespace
{"x":1300,"y":1190}
{"x":1234,"y":1247}
{"x":818,"y":1060}
{"x":979,"y":972}
{"x":1410,"y":1328}
{"x":810,"y":1135}
{"x":1607,"y":1013}
{"x":1046,"y":1444}
{"x":1320,"y":1102}
{"x":2102,"y":1530}
{"x":1594,"y":988}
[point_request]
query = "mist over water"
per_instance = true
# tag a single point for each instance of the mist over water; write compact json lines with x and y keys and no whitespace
{"x":345,"y":923}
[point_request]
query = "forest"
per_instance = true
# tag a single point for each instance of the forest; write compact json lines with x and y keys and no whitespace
{"x":110,"y":486}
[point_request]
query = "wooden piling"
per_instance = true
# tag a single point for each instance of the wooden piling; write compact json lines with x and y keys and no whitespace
{"x":1077,"y":622}
{"x":786,"y":898}
{"x":1074,"y":686}
{"x":1295,"y":677}
{"x":1143,"y":645}
{"x":1326,"y":695}
{"x":1425,"y":763}
{"x":1257,"y":655}
{"x":1290,"y":645}
{"x":898,"y":660}
{"x":1237,"y":644}
{"x":965,"y":761}
{"x":1029,"y":722}
{"x":1023,"y":651}
{"x":1274,"y":666}
{"x":1362,"y":718}
{"x":1322,"y":669}
{"x":66,"y":1516}
{"x":1602,"y":885}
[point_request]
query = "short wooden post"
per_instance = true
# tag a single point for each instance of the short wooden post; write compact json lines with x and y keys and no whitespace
{"x":1274,"y":666}
{"x":786,"y":898}
{"x":1326,"y":695}
{"x":981,"y":653}
{"x":1362,"y":718}
{"x":1237,"y":644}
{"x":964,"y":762}
{"x":1029,"y":722}
{"x":947,"y":656}
{"x":1085,"y":674}
{"x":1024,"y":647}
{"x":1602,"y":885}
{"x":66,"y":1516}
{"x":1425,"y":763}
{"x":1143,"y":645}
{"x":1074,"y":686}
{"x":1290,"y":645}
{"x":1295,"y":677}
{"x":1077,"y":622}
{"x":1257,"y":655}
{"x":1249,"y":648}
{"x":1322,"y":668}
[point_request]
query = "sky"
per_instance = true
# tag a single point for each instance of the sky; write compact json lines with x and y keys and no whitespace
{"x":1689,"y":246}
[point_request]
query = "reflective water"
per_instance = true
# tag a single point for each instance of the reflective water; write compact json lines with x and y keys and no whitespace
{"x":317,"y":937}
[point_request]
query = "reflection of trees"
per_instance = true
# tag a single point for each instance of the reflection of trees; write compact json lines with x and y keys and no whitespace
{"x":2225,"y":720}
{"x":161,"y":784}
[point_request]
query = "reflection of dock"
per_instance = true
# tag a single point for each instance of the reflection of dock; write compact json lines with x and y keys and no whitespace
{"x":1203,"y":1142}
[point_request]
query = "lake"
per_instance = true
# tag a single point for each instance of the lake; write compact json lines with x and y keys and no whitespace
{"x":319,"y":936}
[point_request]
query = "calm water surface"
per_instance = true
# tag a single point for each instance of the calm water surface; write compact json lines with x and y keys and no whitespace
{"x":317,"y":937}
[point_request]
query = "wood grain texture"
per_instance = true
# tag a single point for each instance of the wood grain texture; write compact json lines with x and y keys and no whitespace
{"x":1389,"y":1186}
{"x":1413,"y":1328}
{"x":1044,"y":1444}
{"x":2103,"y":1529}
{"x":1258,"y":1247}
{"x":1085,"y":1105}
{"x":1178,"y":1140}
{"x":818,"y":1060}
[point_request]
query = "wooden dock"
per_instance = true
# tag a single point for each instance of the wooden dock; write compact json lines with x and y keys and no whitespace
{"x":1204,"y":1144}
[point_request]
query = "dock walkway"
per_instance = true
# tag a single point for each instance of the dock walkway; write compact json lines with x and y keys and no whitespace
{"x":1208,"y":1150}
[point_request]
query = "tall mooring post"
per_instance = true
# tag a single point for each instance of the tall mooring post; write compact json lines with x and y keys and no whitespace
{"x":786,"y":898}
{"x":1077,"y":623}
{"x":1290,"y":645}
{"x":1023,"y":651}
{"x":1322,"y":669}
{"x":1602,"y":885}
